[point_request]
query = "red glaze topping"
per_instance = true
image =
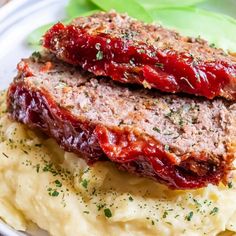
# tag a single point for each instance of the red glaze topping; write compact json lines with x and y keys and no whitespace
{"x":131,"y":151}
{"x":128,"y":62}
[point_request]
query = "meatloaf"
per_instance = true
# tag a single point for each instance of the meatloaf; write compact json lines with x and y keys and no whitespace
{"x":182,"y":142}
{"x":129,"y":51}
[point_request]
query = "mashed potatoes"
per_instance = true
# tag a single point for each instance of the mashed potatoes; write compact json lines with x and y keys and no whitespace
{"x":60,"y":193}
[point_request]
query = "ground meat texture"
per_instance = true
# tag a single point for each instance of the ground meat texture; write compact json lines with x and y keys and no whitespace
{"x":130,"y":51}
{"x":182,"y":142}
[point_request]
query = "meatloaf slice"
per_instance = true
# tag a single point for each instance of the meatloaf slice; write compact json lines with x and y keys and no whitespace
{"x":182,"y":142}
{"x":130,"y":51}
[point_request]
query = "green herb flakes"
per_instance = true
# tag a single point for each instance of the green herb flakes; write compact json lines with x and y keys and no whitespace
{"x":230,"y":185}
{"x":99,"y":55}
{"x":100,"y":206}
{"x":214,"y":211}
{"x":36,"y":55}
{"x":37,"y":168}
{"x":167,"y":148}
{"x":156,"y":129}
{"x":212,"y":45}
{"x":53,"y":192}
{"x":130,"y":198}
{"x":165,"y":214}
{"x":58,"y":183}
{"x":85,"y":183}
{"x":107,"y":213}
{"x":160,"y":65}
{"x":189,"y":216}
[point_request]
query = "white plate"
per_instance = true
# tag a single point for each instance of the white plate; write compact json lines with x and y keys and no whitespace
{"x":20,"y":17}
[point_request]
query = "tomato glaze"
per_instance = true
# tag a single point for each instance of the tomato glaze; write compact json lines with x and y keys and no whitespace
{"x":129,"y":62}
{"x":131,"y":151}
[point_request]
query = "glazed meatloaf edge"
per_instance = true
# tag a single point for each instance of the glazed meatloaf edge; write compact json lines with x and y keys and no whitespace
{"x":182,"y":142}
{"x":129,"y":51}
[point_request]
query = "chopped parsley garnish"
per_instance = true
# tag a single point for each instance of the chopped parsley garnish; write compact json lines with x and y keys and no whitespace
{"x":189,"y":216}
{"x":100,"y":206}
{"x":212,"y":45}
{"x":53,"y":192}
{"x":58,"y":183}
{"x":36,"y":54}
{"x":85,"y":183}
{"x":160,"y":65}
{"x":107,"y":213}
{"x":196,"y":202}
{"x":99,"y":55}
{"x":214,"y":211}
{"x":191,"y":55}
{"x":130,"y":198}
{"x":86,"y":170}
{"x":165,"y":214}
{"x":37,"y":168}
{"x":230,"y":185}
{"x":181,"y":122}
{"x":156,"y":129}
{"x":169,"y":114}
{"x":167,"y":147}
{"x":141,"y":51}
{"x":49,"y":168}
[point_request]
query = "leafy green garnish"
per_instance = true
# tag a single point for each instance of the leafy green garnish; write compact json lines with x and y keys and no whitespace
{"x":88,"y":13}
{"x":225,"y":7}
{"x":78,"y":7}
{"x":216,"y":28}
{"x":34,"y":37}
{"x":132,"y":7}
{"x":148,"y":4}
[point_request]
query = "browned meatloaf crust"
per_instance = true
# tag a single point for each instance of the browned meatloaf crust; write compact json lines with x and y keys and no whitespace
{"x":182,"y":142}
{"x":130,"y":51}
